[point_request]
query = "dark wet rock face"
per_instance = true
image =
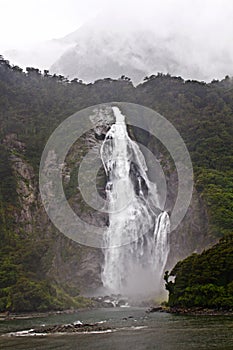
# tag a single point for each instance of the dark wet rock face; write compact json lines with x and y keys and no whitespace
{"x":114,"y":300}
{"x":138,"y":180}
{"x":154,"y":309}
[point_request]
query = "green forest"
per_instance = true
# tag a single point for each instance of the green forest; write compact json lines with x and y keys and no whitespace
{"x":204,"y":280}
{"x":34,"y":103}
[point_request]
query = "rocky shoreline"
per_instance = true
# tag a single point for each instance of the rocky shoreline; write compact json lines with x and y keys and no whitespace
{"x":196,"y":311}
{"x":6,"y":316}
{"x":106,"y":304}
{"x":107,"y":301}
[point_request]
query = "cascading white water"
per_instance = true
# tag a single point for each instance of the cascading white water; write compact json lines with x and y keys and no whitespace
{"x":137,"y":235}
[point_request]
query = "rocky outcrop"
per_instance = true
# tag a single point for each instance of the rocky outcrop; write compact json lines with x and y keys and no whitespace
{"x":26,"y":185}
{"x":74,"y":267}
{"x":192,"y":234}
{"x":26,"y":190}
{"x":77,"y":327}
{"x":154,"y":309}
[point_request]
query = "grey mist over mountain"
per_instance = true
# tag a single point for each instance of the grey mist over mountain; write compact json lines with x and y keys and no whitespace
{"x":110,"y":52}
{"x":193,"y":42}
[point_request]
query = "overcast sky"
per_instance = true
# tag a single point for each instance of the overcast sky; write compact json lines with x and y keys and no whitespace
{"x":27,"y":21}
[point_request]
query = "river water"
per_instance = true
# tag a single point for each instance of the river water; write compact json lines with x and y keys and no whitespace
{"x":133,"y":330}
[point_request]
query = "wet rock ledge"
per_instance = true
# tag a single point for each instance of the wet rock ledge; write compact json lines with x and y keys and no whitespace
{"x":71,"y":328}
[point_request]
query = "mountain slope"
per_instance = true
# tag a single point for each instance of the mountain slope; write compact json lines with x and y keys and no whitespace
{"x":113,"y":44}
{"x":112,"y":53}
{"x":37,"y":260}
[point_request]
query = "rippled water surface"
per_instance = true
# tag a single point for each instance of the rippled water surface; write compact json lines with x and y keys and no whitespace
{"x":133,"y":330}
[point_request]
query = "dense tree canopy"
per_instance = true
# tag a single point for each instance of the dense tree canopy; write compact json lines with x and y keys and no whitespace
{"x":204,"y":280}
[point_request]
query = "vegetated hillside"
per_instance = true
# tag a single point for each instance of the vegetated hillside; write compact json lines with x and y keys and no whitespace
{"x":41,"y":269}
{"x":204,"y":280}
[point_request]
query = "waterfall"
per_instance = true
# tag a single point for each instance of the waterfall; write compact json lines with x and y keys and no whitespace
{"x":137,"y":235}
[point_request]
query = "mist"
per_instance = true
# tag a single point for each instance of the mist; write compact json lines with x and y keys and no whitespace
{"x":198,"y":35}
